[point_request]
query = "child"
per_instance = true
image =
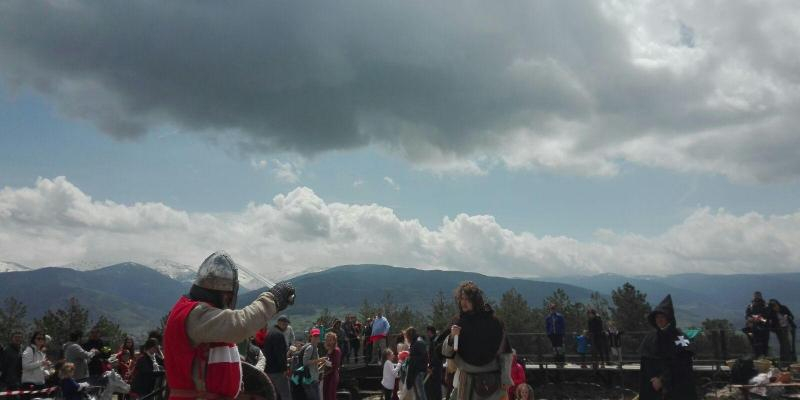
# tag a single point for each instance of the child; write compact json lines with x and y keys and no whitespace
{"x":615,"y":341}
{"x":124,"y":365}
{"x":583,"y":347}
{"x":524,"y":392}
{"x":70,"y":390}
{"x":517,"y":375}
{"x":402,"y":390}
{"x":390,"y":370}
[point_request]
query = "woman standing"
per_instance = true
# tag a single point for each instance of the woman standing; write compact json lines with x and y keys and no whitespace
{"x":332,"y":366}
{"x":34,"y":363}
{"x":417,"y":363}
{"x":615,"y":341}
{"x":478,"y":347}
{"x":781,"y":321}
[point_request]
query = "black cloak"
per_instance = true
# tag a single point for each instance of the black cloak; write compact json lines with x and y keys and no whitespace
{"x":481,"y":336}
{"x":666,"y":354}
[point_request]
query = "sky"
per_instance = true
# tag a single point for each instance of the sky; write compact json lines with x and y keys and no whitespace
{"x":526,"y":139}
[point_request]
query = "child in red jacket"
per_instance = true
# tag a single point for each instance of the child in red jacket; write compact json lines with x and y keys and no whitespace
{"x":517,"y":376}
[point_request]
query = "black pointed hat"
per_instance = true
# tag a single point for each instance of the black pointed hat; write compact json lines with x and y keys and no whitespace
{"x":665,"y":307}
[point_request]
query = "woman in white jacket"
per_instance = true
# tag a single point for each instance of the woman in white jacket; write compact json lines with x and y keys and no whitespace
{"x":34,"y":363}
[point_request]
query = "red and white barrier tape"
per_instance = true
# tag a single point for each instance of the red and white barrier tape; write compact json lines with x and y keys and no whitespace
{"x":19,"y":392}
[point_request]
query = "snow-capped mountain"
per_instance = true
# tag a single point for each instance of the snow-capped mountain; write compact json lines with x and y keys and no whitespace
{"x":186,"y":274}
{"x":175,"y":270}
{"x":310,"y":270}
{"x":87,"y":265}
{"x":8,"y":266}
{"x":178,"y":271}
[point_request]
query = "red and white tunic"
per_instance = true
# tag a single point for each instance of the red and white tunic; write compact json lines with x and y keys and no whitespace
{"x":207,"y":370}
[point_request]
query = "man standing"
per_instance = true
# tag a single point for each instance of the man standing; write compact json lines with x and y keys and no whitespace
{"x":597,"y":337}
{"x":666,"y":359}
{"x":757,"y":318}
{"x":200,"y":353}
{"x":433,"y":386}
{"x":96,"y":363}
{"x":74,"y":353}
{"x":275,"y":351}
{"x":352,"y":339}
{"x":288,"y":333}
{"x":12,"y":362}
{"x":556,"y":328}
{"x":368,"y":343}
{"x":380,"y":333}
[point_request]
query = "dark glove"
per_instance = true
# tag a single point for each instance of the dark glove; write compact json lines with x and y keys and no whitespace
{"x":283,"y":294}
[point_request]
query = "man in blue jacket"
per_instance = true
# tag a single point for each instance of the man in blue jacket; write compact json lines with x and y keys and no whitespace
{"x":556,"y":328}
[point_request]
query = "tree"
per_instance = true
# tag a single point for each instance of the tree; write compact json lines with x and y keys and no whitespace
{"x":109,"y":331}
{"x":404,"y":317}
{"x":12,"y":318}
{"x":600,"y":305}
{"x":735,"y":341}
{"x":388,"y":306}
{"x":717,"y":324}
{"x":630,"y":309}
{"x":513,"y":310}
{"x":60,"y":323}
{"x":326,"y":318}
{"x":559,"y":298}
{"x":443,"y":310}
{"x":367,"y":311}
{"x":518,"y":320}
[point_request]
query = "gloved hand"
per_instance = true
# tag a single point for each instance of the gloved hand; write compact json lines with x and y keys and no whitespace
{"x":283,"y":294}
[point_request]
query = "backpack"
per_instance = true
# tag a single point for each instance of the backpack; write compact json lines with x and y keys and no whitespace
{"x":297,"y":357}
{"x":300,"y":374}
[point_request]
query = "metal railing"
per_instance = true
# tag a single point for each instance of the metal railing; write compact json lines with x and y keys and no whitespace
{"x":712,"y":347}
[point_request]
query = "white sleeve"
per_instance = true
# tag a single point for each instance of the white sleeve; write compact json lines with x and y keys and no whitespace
{"x":28,"y":357}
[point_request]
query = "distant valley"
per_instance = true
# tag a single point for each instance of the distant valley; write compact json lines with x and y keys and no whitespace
{"x":137,"y":295}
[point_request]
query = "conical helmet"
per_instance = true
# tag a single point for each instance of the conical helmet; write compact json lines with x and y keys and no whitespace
{"x":219,"y":272}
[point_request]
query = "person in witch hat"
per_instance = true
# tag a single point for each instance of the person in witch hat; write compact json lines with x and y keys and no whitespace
{"x":666,"y":358}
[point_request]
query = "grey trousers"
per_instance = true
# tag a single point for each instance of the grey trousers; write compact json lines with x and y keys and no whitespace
{"x":281,"y":383}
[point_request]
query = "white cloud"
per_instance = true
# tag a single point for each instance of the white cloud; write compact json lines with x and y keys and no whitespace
{"x":389,"y":181}
{"x":284,"y":171}
{"x":575,"y":87}
{"x":358,"y":183}
{"x":287,"y":171}
{"x":54,"y":223}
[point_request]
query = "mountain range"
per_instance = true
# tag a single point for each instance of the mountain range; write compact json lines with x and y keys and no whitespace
{"x":180,"y":272}
{"x":137,"y":295}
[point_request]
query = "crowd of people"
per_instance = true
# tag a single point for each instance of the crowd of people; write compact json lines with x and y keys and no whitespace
{"x":602,"y":340}
{"x":79,"y":364}
{"x":470,"y":359}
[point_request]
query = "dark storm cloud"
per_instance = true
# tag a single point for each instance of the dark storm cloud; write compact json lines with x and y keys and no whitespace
{"x":456,"y":77}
